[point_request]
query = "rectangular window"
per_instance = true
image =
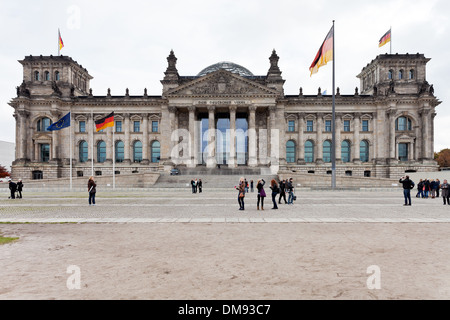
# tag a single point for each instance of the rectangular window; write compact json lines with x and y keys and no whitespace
{"x":365,"y":125}
{"x":403,"y":151}
{"x":82,"y":126}
{"x":45,"y":152}
{"x":309,"y":125}
{"x":136,"y":126}
{"x":347,"y":125}
{"x":291,"y":126}
{"x":328,"y":125}
{"x":154,"y":126}
{"x":118,"y":126}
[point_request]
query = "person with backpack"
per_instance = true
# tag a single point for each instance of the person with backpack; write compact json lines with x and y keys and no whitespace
{"x":12,"y":189}
{"x":92,"y":189}
{"x":275,"y":191}
{"x":407,"y":186}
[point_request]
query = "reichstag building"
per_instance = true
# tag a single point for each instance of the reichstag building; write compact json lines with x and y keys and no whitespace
{"x":225,"y":116}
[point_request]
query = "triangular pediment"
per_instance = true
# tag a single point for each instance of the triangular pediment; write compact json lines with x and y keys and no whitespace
{"x":222,"y":83}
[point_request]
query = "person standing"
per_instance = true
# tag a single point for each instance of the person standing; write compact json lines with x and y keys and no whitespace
{"x":251,"y":185}
{"x":420,"y":189}
{"x":438,"y":183}
{"x":275,"y":191}
{"x":290,"y":190}
{"x":261,"y":193}
{"x":426,"y":188}
{"x":433,"y":188}
{"x":92,"y":189}
{"x":407,"y":186}
{"x":282,"y":191}
{"x":200,"y":185}
{"x":12,"y":189}
{"x":246,"y":185}
{"x":241,"y":194}
{"x":195,"y":185}
{"x":445,"y":192}
{"x":192,"y":185}
{"x":19,"y":188}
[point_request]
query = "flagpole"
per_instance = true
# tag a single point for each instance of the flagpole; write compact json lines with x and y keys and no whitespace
{"x":391,"y":41}
{"x":92,"y":143}
{"x":71,"y":149}
{"x":58,"y":42}
{"x":333,"y":134}
{"x":114,"y":158}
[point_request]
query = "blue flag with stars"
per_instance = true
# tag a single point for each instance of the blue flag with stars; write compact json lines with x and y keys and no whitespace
{"x":62,"y":123}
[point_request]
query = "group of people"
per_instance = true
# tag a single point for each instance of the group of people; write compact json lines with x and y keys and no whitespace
{"x":425,"y":189}
{"x":15,"y":187}
{"x":277,"y":188}
{"x":196,"y":185}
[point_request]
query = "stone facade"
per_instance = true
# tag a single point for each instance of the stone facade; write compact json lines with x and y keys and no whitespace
{"x":225,"y":116}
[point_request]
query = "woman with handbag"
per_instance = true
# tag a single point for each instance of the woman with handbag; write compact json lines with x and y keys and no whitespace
{"x":92,"y":190}
{"x":261,"y":193}
{"x":241,"y":194}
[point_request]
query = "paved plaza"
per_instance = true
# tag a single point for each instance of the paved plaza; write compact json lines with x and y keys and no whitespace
{"x":172,"y":244}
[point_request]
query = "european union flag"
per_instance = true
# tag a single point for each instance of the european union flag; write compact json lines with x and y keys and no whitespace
{"x":62,"y":123}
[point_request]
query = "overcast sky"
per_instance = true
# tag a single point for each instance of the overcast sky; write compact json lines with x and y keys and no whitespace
{"x":124,"y":44}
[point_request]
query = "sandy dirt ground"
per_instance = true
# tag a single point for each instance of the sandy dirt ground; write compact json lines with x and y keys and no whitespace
{"x":226,"y":261}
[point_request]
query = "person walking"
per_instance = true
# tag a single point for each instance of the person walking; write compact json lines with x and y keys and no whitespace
{"x":261,"y":193}
{"x":275,"y":191}
{"x":92,"y":189}
{"x":200,"y":186}
{"x":251,"y":185}
{"x":282,"y":192}
{"x":290,"y":190}
{"x":241,"y":193}
{"x":19,"y":188}
{"x":445,"y":192}
{"x":12,"y":189}
{"x":407,"y":186}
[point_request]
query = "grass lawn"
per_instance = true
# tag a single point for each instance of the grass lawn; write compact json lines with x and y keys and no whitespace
{"x":4,"y":240}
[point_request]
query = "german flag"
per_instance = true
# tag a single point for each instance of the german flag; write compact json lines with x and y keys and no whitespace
{"x":385,"y":39}
{"x":105,"y":122}
{"x":325,"y":53}
{"x":60,"y":41}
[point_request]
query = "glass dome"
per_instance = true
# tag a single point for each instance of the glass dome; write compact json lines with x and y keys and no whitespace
{"x":229,"y":66}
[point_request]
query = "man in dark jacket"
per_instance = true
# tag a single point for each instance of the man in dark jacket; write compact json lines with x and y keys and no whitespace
{"x":19,"y":188}
{"x":282,"y":192}
{"x":407,"y":186}
{"x":12,"y":188}
{"x":420,"y":189}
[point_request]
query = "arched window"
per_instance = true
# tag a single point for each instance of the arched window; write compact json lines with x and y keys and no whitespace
{"x":309,"y":151}
{"x":156,"y":151}
{"x":137,"y":151}
{"x":83,"y":151}
{"x":403,"y":124}
{"x":364,"y":151}
{"x":327,"y":151}
{"x":400,"y":75}
{"x":290,"y":151}
{"x":56,"y":75}
{"x":345,"y":151}
{"x":36,"y":76}
{"x":43,"y":124}
{"x":411,"y":74}
{"x":120,"y":151}
{"x":46,"y":76}
{"x":101,"y":151}
{"x":390,"y":74}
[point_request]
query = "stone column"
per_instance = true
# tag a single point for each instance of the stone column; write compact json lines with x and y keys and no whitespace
{"x":273,"y":137}
{"x":357,"y":129}
{"x":192,"y":143}
{"x":232,"y":158}
{"x":211,"y":160}
{"x":252,"y":160}
{"x":319,"y":137}
{"x":338,"y":149}
{"x":172,"y":125}
{"x":145,"y":157}
{"x":23,"y":135}
{"x":127,"y":142}
{"x":392,"y":135}
{"x":55,"y":143}
{"x":300,"y":139}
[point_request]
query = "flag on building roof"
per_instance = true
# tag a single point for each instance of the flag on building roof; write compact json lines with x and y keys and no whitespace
{"x":60,"y":41}
{"x":385,"y":39}
{"x":62,"y":123}
{"x":105,"y":122}
{"x":325,"y":53}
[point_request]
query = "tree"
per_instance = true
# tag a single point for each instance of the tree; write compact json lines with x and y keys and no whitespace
{"x":3,"y":172}
{"x":443,"y":158}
